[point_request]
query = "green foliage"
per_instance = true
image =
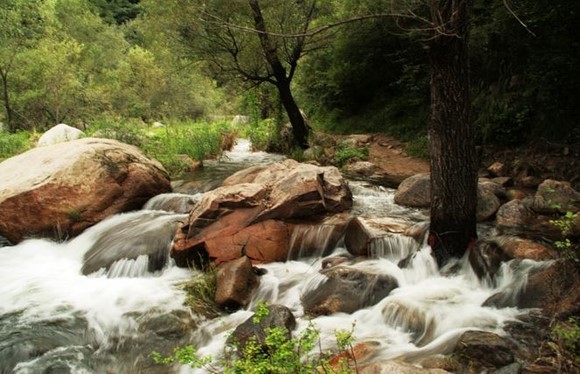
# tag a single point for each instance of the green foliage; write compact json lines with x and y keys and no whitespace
{"x":261,"y":133}
{"x":566,"y":244}
{"x":347,"y":153}
{"x":129,"y":132}
{"x":278,"y":355}
{"x":567,"y":334}
{"x":201,"y":292}
{"x":419,"y":147}
{"x":175,"y":146}
{"x":12,"y":144}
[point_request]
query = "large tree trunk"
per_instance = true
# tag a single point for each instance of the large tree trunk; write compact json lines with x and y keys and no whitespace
{"x":6,"y":97}
{"x":452,"y":141}
{"x":299,"y":128}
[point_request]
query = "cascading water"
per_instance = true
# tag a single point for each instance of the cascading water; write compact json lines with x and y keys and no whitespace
{"x":55,"y":319}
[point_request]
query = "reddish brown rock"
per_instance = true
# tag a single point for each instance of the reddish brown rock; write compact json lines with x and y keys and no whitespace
{"x":526,"y":249}
{"x":236,"y":282}
{"x":317,"y":238}
{"x":362,"y":233}
{"x":219,"y":226}
{"x":498,"y":169}
{"x":58,"y":191}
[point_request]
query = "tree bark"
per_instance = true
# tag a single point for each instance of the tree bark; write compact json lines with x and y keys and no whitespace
{"x":452,"y":140}
{"x":282,"y":79}
{"x":6,"y":99}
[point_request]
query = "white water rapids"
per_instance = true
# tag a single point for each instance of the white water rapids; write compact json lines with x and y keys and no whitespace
{"x":55,"y":319}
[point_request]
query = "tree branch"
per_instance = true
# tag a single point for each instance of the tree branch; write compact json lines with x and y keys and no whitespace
{"x":509,"y":9}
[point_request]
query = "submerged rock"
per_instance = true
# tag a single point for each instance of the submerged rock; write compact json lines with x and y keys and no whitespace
{"x":483,"y":350}
{"x":172,"y":202}
{"x":143,"y":234}
{"x":58,"y":191}
{"x":379,"y":237}
{"x":347,"y":290}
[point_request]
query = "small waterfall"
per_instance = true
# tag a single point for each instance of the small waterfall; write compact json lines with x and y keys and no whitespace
{"x":173,"y":202}
{"x":131,"y":236}
{"x":394,"y":247}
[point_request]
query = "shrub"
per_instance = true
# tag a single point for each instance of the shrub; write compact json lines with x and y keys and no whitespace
{"x":13,"y":144}
{"x":348,"y":153}
{"x":280,"y":355}
{"x":567,"y":335}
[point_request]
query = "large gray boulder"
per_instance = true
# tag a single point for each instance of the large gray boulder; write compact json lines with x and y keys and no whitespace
{"x":58,"y":191}
{"x":415,"y":191}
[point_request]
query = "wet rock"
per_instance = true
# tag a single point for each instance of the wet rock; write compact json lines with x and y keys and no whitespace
{"x":190,"y":245}
{"x":278,"y":316}
{"x":70,"y":186}
{"x":361,"y":352}
{"x":59,"y":134}
{"x":317,"y":239}
{"x":396,"y":367}
{"x":411,"y":318}
{"x":498,"y":169}
{"x":174,"y":325}
{"x":335,"y":261}
{"x":515,"y":247}
{"x":414,"y":191}
{"x":496,"y":188}
{"x":483,"y":350}
{"x":555,"y":196}
{"x":503,"y":181}
{"x":486,"y":258}
{"x":282,"y":191}
{"x":347,"y":290}
{"x":236,"y":282}
{"x":517,"y":194}
{"x":128,"y":237}
{"x":172,"y":202}
{"x":266,"y":241}
{"x":4,"y":242}
{"x":530,"y":182}
{"x":555,"y":289}
{"x":514,"y":213}
{"x":487,"y":204}
{"x":378,"y":237}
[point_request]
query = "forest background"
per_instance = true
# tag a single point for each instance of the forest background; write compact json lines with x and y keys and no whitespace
{"x":128,"y":61}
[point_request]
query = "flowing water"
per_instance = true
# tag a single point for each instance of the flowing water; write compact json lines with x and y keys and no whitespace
{"x":55,"y":319}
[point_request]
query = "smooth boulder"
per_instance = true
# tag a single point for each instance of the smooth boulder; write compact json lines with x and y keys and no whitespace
{"x":347,"y":290}
{"x":58,"y":191}
{"x":60,"y":133}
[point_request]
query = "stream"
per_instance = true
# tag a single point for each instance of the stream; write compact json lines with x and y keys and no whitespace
{"x":54,"y":319}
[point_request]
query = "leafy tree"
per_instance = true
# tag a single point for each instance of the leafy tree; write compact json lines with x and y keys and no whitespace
{"x":117,"y":11}
{"x":256,"y":42}
{"x":21,"y":26}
